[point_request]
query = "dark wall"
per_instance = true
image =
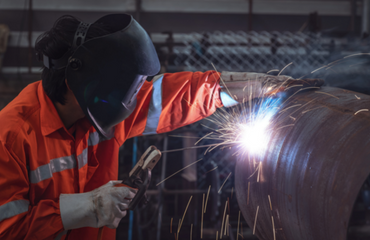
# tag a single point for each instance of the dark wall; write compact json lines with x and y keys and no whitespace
{"x":17,"y":20}
{"x":181,"y":22}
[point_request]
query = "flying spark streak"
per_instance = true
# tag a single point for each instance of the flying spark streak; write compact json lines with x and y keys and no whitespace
{"x":223,"y":220}
{"x":255,"y":220}
{"x":356,"y":54}
{"x":255,"y":171}
{"x":293,"y":86}
{"x":318,"y":69}
{"x":224,"y":183}
{"x":259,"y":171}
{"x":309,"y":110}
{"x":273,"y":70}
{"x":246,"y":87}
{"x":300,"y":90}
{"x":289,"y":125}
{"x":212,"y":170}
{"x":212,"y":148}
{"x":205,"y":207}
{"x":226,"y":224}
{"x":304,"y":105}
{"x":328,"y":66}
{"x":270,"y":202}
{"x":287,"y":108}
{"x":357,"y":97}
{"x":178,"y":171}
{"x":327,"y":94}
{"x":285,"y":68}
{"x":183,"y":216}
{"x":205,"y":136}
{"x":178,"y":227}
{"x":273,"y":227}
{"x":362,"y":110}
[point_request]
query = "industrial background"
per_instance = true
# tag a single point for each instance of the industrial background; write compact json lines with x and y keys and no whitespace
{"x":233,"y":35}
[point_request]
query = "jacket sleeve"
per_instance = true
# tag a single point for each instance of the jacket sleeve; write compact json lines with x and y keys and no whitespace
{"x":173,"y":100}
{"x":19,"y":219}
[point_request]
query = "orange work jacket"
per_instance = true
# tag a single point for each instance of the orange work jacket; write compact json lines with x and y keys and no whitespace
{"x":40,"y":159}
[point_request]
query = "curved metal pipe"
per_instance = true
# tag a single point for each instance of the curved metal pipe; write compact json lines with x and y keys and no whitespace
{"x":312,"y":171}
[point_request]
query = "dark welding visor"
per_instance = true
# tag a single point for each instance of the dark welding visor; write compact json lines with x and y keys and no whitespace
{"x":106,"y":73}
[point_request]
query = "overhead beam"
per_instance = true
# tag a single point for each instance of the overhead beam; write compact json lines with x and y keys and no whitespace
{"x":331,"y":8}
{"x":288,"y":7}
{"x":72,"y":5}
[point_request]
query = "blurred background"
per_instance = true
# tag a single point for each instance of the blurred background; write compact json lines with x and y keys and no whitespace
{"x":189,"y":35}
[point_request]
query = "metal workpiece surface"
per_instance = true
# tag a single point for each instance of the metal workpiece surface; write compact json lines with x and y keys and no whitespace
{"x":312,"y":170}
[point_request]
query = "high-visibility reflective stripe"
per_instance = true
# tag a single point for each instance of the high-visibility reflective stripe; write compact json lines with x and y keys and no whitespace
{"x":95,"y":138}
{"x":155,"y":107}
{"x":13,"y":208}
{"x":82,"y":158}
{"x":63,"y":163}
{"x":60,"y":235}
{"x":56,"y":165}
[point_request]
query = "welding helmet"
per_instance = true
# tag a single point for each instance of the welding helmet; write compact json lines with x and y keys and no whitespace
{"x":106,"y":73}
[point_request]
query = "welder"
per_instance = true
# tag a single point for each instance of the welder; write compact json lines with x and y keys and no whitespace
{"x":60,"y":137}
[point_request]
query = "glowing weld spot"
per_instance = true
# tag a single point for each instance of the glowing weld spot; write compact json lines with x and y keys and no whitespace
{"x":255,"y":132}
{"x":254,"y":136}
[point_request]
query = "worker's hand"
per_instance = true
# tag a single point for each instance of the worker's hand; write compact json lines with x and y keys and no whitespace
{"x":104,"y":206}
{"x":245,"y":86}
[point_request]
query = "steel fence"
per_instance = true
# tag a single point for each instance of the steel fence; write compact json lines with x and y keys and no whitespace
{"x":261,"y":51}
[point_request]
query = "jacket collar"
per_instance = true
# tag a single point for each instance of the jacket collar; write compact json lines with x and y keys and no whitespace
{"x":49,"y":117}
